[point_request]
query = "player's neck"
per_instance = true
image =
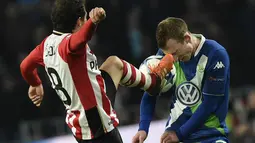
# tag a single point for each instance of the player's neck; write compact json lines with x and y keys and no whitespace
{"x":195,"y":43}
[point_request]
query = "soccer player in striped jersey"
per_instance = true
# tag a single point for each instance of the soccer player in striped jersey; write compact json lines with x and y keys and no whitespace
{"x":72,"y":69}
{"x":200,"y":92}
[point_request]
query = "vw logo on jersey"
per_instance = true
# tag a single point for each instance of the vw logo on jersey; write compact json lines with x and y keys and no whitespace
{"x":188,"y":94}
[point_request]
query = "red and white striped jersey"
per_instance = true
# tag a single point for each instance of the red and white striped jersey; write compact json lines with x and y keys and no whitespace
{"x":79,"y":84}
{"x":75,"y":76}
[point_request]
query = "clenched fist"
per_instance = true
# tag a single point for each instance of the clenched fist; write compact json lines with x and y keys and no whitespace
{"x":97,"y":15}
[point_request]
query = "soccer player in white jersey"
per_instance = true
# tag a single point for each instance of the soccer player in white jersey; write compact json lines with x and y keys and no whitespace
{"x":72,"y":69}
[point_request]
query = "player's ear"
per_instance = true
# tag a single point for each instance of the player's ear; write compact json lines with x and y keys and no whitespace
{"x":79,"y":22}
{"x":187,"y":37}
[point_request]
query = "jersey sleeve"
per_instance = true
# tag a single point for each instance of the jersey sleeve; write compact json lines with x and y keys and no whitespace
{"x":217,"y":75}
{"x":147,"y":108}
{"x":29,"y":66}
{"x":76,"y":43}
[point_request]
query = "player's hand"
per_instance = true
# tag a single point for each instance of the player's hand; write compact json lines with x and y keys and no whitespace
{"x":139,"y":137}
{"x":97,"y":15}
{"x":35,"y":93}
{"x":169,"y":137}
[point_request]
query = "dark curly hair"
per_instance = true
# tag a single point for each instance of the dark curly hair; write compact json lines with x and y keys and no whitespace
{"x":65,"y":14}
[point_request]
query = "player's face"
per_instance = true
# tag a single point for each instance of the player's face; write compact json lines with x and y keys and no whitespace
{"x":180,"y":51}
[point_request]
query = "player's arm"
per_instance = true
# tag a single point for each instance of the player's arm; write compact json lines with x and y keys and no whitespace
{"x":147,"y":108}
{"x":213,"y":92}
{"x":29,"y":66}
{"x":79,"y":39}
{"x":146,"y":113}
{"x":28,"y":69}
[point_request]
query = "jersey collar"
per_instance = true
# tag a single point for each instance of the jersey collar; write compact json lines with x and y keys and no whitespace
{"x":57,"y":33}
{"x":201,"y":43}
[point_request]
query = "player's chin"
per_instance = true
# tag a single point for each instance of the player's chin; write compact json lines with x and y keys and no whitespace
{"x":185,"y":58}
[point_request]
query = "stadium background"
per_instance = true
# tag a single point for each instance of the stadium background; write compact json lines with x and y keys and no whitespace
{"x":129,"y":32}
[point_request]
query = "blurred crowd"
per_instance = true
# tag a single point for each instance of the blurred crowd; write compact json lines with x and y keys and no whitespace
{"x":129,"y":32}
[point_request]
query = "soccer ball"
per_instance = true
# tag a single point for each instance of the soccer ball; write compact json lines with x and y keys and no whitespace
{"x":153,"y":61}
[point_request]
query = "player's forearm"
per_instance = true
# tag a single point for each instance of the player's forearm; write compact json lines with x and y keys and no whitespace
{"x":203,"y":112}
{"x":147,"y":108}
{"x":81,"y":37}
{"x":29,"y":72}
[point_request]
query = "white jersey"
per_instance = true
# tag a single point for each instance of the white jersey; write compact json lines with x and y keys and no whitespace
{"x":79,"y":84}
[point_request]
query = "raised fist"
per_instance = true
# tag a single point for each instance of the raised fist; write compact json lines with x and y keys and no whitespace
{"x":97,"y":15}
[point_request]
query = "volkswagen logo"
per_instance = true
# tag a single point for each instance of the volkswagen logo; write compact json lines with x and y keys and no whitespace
{"x":188,"y":94}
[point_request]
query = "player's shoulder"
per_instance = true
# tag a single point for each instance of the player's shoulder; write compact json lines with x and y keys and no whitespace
{"x":217,"y":54}
{"x":213,"y":48}
{"x":48,"y":39}
{"x":212,"y":45}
